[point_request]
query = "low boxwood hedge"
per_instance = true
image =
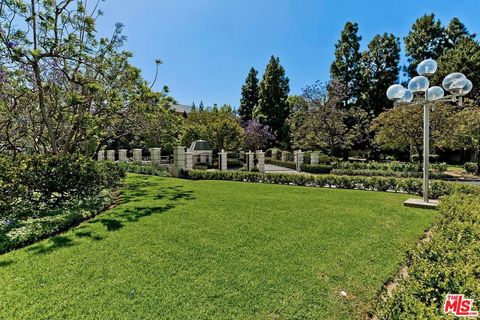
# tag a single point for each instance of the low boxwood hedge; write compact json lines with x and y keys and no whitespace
{"x":438,"y":188}
{"x":147,"y":169}
{"x":381,"y":173}
{"x":447,"y":263}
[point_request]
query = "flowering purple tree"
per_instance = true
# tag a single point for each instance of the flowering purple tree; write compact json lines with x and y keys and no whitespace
{"x":257,"y":135}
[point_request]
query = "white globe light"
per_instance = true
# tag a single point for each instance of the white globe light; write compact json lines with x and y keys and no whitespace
{"x":395,"y":92}
{"x":427,"y":67}
{"x":407,"y":97}
{"x":454,"y":82}
{"x":418,"y":84}
{"x":466,"y":88}
{"x":435,"y":93}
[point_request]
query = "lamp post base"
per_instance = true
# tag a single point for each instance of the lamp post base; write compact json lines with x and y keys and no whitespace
{"x":419,"y":203}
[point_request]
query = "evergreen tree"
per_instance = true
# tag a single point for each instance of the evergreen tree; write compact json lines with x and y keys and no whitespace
{"x":425,"y":40}
{"x":346,"y":66}
{"x":456,"y":31}
{"x":249,"y":96}
{"x":379,"y":69}
{"x":201,"y":107}
{"x":273,"y":107}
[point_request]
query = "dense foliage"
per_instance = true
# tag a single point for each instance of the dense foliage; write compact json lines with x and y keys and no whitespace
{"x":41,"y":195}
{"x":446,"y":263}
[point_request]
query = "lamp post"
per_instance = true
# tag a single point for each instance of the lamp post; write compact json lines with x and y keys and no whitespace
{"x":455,"y":83}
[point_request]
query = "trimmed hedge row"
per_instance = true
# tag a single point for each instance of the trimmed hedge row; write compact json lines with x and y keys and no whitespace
{"x":147,"y":169}
{"x":448,"y":263}
{"x":438,"y":188}
{"x":381,"y":173}
{"x":320,"y":168}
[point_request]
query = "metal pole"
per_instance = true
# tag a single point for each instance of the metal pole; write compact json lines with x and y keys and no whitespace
{"x":426,"y":147}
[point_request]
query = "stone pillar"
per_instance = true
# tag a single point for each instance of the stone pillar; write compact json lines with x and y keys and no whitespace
{"x":222,"y":160}
{"x":261,"y":161}
{"x":295,"y":153}
{"x":284,"y":156}
{"x":275,"y":153}
{"x":242,"y":155}
{"x":111,"y":155}
{"x":314,"y":158}
{"x":299,"y":161}
{"x":122,"y":155}
{"x":155,"y":154}
{"x":188,"y":160}
{"x":178,"y":160}
{"x":101,"y":155}
{"x":250,"y":155}
{"x":137,"y":155}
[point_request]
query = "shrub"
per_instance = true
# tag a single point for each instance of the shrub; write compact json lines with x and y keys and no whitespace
{"x":419,"y":158}
{"x":438,"y":188}
{"x":254,"y":169}
{"x":320,"y":168}
{"x":147,"y":169}
{"x":235,"y":163}
{"x":470,"y":167}
{"x":382,"y":173}
{"x":448,"y":263}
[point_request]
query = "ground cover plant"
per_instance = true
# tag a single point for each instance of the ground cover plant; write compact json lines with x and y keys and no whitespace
{"x":216,"y":249}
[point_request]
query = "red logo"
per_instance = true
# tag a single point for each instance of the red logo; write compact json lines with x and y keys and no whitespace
{"x":459,"y":306}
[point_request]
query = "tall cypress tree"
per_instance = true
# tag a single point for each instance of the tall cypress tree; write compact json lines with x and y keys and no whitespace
{"x":273,"y":108}
{"x":249,"y":96}
{"x":346,"y":66}
{"x":379,"y":69}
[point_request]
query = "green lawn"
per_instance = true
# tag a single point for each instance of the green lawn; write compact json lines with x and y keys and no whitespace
{"x":179,"y":249}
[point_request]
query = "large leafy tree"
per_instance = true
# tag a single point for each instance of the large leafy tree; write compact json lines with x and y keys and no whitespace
{"x":217,"y":125}
{"x":249,"y":96}
{"x":400,"y":128}
{"x":319,"y":120}
{"x":81,"y":87}
{"x":379,"y":69}
{"x":346,"y":66}
{"x":273,"y":108}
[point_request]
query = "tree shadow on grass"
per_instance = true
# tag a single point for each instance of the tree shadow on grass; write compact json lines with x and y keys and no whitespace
{"x":51,"y":245}
{"x":6,"y":263}
{"x":117,"y":219}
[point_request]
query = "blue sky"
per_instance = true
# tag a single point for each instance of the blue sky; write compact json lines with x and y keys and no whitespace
{"x":208,"y":46}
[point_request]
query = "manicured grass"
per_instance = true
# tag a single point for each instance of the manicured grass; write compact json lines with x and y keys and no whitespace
{"x":179,"y":249}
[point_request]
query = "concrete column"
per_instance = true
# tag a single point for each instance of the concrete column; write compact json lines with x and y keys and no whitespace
{"x":122,"y":155}
{"x":178,"y":160}
{"x":295,"y":153}
{"x":101,"y":155}
{"x":155,"y":154}
{"x":188,"y":160}
{"x":242,"y":155}
{"x":275,"y":152}
{"x":250,"y":156}
{"x":314,"y":158}
{"x":137,"y":155}
{"x":261,"y":160}
{"x":299,"y":161}
{"x":284,"y":156}
{"x":222,"y":160}
{"x":111,"y":155}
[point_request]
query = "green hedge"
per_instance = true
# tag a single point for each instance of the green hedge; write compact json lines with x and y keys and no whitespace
{"x":147,"y":169}
{"x":318,"y":168}
{"x":438,"y":188}
{"x":470,"y":167}
{"x":286,"y":164}
{"x":448,"y":263}
{"x":41,"y":195}
{"x":381,"y":173}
